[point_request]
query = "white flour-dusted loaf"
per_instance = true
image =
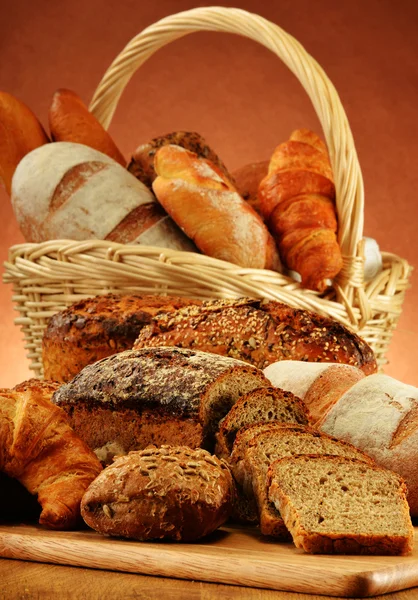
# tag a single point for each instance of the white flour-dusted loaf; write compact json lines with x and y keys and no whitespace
{"x":379,"y":415}
{"x":65,"y":190}
{"x":319,"y":385}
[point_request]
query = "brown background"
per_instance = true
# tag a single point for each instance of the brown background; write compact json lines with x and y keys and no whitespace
{"x":241,"y":98}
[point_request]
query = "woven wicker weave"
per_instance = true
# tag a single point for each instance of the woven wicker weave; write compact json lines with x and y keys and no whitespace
{"x":49,"y":276}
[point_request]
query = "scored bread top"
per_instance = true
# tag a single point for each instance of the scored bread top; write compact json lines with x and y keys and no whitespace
{"x":259,"y":332}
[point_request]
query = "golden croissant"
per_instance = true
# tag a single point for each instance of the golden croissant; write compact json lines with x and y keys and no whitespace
{"x":297,"y":201}
{"x":39,"y":448}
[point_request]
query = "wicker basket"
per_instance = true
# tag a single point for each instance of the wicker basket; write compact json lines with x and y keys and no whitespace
{"x":49,"y":276}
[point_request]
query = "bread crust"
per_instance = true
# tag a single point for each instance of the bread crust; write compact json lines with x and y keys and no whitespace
{"x":172,"y":493}
{"x":259,"y":332}
{"x":159,"y":385}
{"x":98,"y":327}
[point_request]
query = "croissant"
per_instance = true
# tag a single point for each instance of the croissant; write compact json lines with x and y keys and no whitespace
{"x":39,"y":448}
{"x":297,"y":201}
{"x":205,"y":204}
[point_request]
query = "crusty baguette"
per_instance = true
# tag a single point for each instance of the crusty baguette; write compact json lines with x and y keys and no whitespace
{"x":20,"y":133}
{"x":207,"y":207}
{"x":39,"y":448}
{"x":142,"y":162}
{"x":379,"y":415}
{"x":166,"y":493}
{"x":259,"y":332}
{"x":319,"y":385}
{"x":156,"y":396}
{"x":97,"y":327}
{"x":340,"y":505}
{"x":71,"y":121}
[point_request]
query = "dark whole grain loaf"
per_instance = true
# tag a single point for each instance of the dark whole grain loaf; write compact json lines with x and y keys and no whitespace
{"x":260,"y":332}
{"x":97,"y":327}
{"x":155,"y":396}
{"x":172,"y":493}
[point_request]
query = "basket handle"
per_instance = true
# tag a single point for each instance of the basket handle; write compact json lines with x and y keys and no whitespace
{"x":324,"y":97}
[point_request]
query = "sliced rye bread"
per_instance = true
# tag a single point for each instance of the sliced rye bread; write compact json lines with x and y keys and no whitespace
{"x":257,"y":406}
{"x":264,"y":448}
{"x":339,"y":505}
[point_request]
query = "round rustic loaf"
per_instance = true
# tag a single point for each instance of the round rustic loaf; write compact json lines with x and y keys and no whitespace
{"x":66,"y":190}
{"x":98,"y":327}
{"x":172,"y":493}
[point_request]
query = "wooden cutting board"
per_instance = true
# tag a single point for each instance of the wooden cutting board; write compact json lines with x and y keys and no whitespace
{"x":237,"y":556}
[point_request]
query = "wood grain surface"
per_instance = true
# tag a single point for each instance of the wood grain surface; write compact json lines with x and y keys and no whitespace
{"x":234,"y":556}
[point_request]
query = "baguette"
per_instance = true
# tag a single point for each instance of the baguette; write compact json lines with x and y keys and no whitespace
{"x":207,"y":207}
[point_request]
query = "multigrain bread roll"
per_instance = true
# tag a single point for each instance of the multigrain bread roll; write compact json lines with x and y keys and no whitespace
{"x":379,"y":415}
{"x":166,"y":493}
{"x":66,"y":190}
{"x":273,"y":443}
{"x":257,"y":406}
{"x":339,"y":505}
{"x":142,"y":162}
{"x":319,"y":385}
{"x":207,"y":207}
{"x":98,"y":327}
{"x":260,"y":332}
{"x":154,"y":396}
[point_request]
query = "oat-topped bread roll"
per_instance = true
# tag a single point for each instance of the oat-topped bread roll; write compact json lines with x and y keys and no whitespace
{"x":319,"y":385}
{"x":207,"y":207}
{"x":39,"y":449}
{"x":260,"y":332}
{"x":98,"y":327}
{"x":339,"y":505}
{"x":271,"y":444}
{"x":142,"y":162}
{"x":257,"y":406}
{"x":154,"y":396}
{"x":171,"y":493}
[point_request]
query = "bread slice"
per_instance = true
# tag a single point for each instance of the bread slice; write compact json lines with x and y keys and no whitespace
{"x":257,"y":406}
{"x":339,"y":505}
{"x":270,"y":445}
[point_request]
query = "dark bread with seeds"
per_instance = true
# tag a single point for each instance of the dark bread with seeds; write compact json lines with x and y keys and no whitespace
{"x":257,"y":406}
{"x":98,"y":327}
{"x":172,"y":493}
{"x":279,"y":441}
{"x":338,"y":505}
{"x":259,"y":332}
{"x":154,"y":396}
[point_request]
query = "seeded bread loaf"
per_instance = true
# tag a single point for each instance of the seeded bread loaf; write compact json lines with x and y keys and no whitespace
{"x":264,"y":448}
{"x":265,"y":404}
{"x":154,"y":396}
{"x":171,"y":493}
{"x":259,"y":332}
{"x":98,"y":327}
{"x":339,"y":505}
{"x":319,"y":385}
{"x":379,"y":415}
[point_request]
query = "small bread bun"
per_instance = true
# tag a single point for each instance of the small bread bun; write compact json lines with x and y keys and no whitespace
{"x":171,"y":492}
